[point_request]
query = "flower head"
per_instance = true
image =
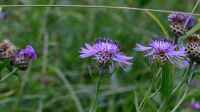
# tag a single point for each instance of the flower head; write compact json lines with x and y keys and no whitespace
{"x":23,"y":57}
{"x":28,"y":52}
{"x":7,"y":49}
{"x":180,"y":23}
{"x":181,"y":18}
{"x":162,"y":50}
{"x":195,"y":105}
{"x":193,"y":48}
{"x":105,"y":51}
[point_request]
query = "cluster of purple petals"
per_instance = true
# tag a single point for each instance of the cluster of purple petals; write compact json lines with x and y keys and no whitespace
{"x":105,"y":51}
{"x":28,"y":52}
{"x":195,"y":105}
{"x":164,"y":50}
{"x":23,"y":57}
{"x":181,"y":18}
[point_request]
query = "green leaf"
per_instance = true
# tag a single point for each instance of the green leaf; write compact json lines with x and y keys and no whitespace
{"x":166,"y":81}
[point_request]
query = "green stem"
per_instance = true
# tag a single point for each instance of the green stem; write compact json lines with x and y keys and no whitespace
{"x":19,"y":94}
{"x":70,"y":88}
{"x":159,"y":23}
{"x":166,"y":82}
{"x":94,"y":105}
{"x":154,"y":80}
{"x":181,"y":100}
{"x":136,"y":103}
{"x":185,"y":77}
{"x":188,"y":76}
{"x":8,"y":75}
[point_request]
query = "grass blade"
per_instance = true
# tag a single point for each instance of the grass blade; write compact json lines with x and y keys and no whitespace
{"x":159,"y":23}
{"x":70,"y":88}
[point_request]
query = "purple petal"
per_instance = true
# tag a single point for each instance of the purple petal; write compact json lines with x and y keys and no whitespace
{"x":28,"y":52}
{"x":142,"y":48}
{"x":180,"y":52}
{"x":31,"y":52}
{"x":88,"y":51}
{"x":196,"y":105}
{"x":122,"y":59}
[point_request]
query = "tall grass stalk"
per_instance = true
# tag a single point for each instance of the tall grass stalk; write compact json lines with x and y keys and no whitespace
{"x":165,"y":32}
{"x":94,"y":104}
{"x":70,"y":89}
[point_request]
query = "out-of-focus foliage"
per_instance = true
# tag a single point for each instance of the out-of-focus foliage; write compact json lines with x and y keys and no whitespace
{"x":57,"y":33}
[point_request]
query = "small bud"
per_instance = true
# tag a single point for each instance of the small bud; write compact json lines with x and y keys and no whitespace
{"x":23,"y":57}
{"x":180,"y":23}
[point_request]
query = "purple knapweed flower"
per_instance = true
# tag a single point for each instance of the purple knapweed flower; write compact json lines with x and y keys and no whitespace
{"x":23,"y":57}
{"x":195,"y":105}
{"x":181,"y":18}
{"x":163,"y":50}
{"x":105,"y":51}
{"x":180,"y":23}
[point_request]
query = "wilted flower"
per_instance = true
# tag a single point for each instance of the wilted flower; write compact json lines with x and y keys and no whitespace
{"x":180,"y":23}
{"x":23,"y":57}
{"x":105,"y":51}
{"x":7,"y":49}
{"x":193,"y":47}
{"x":195,"y":105}
{"x":163,"y":50}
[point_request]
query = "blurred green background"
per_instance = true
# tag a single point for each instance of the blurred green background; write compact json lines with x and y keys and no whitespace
{"x":59,"y":81}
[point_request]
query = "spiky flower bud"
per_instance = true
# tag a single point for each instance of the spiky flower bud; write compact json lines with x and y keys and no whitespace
{"x":193,"y":47}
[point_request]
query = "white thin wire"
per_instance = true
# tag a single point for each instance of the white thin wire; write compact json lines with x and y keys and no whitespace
{"x":105,"y":6}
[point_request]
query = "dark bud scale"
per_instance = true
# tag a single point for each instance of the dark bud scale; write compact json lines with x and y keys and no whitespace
{"x":21,"y":62}
{"x":7,"y":49}
{"x":193,"y":48}
{"x":178,"y":29}
{"x":23,"y":57}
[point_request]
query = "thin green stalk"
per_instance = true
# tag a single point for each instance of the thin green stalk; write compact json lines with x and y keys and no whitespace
{"x":44,"y":34}
{"x":8,"y":75}
{"x":136,"y":102}
{"x":191,"y":72}
{"x":103,"y":6}
{"x":166,"y":81}
{"x":40,"y":105}
{"x":70,"y":88}
{"x":149,"y":90}
{"x":196,"y":27}
{"x":185,"y":76}
{"x":181,"y":100}
{"x":159,"y":23}
{"x":94,"y":105}
{"x":23,"y":78}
